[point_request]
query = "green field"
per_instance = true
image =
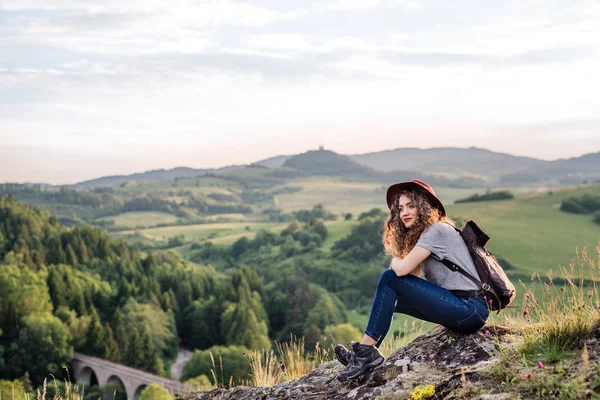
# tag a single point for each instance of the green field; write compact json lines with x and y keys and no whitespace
{"x":530,"y":231}
{"x":355,"y":197}
{"x":141,"y":218}
{"x":188,"y":183}
{"x":204,"y":231}
{"x":335,"y":195}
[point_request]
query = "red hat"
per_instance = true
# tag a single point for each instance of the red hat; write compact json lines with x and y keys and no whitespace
{"x":418,"y":186}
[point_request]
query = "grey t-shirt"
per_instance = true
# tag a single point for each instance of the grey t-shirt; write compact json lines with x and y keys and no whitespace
{"x":445,"y":242}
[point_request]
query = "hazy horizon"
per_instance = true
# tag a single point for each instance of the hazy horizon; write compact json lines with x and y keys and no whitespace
{"x":95,"y":88}
{"x":133,"y":166}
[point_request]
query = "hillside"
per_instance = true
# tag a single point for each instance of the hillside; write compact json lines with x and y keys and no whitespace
{"x":151,"y":176}
{"x":457,"y":161}
{"x":325,"y":162}
{"x":578,"y":169}
{"x":455,"y":167}
{"x":272,"y":162}
{"x":492,"y":167}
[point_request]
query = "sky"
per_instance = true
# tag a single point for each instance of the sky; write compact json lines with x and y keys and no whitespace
{"x":93,"y":88}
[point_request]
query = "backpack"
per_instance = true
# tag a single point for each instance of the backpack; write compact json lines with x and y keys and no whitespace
{"x":497,"y":289}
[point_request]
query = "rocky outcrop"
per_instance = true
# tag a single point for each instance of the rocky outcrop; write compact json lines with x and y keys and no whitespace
{"x":440,"y":357}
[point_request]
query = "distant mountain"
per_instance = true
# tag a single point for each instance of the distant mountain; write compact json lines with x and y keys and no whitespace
{"x":325,"y":162}
{"x":570,"y":171}
{"x":150,"y":176}
{"x":273,"y":162}
{"x":458,"y":161}
{"x":449,"y":166}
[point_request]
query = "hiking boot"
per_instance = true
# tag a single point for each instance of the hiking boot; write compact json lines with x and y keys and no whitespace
{"x":343,"y":354}
{"x":363,"y":357}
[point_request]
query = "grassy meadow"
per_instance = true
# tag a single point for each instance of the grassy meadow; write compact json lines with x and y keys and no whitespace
{"x":529,"y":231}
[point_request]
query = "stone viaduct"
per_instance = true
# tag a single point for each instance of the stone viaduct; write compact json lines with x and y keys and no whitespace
{"x":110,"y":374}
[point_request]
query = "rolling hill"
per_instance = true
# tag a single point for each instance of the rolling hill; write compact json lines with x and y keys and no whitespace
{"x":472,"y":161}
{"x":453,"y":167}
{"x":325,"y":162}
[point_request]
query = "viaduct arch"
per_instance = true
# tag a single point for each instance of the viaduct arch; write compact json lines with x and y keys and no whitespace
{"x":87,"y":368}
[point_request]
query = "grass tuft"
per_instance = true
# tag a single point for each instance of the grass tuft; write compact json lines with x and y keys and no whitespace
{"x":555,"y":322}
{"x":266,"y":369}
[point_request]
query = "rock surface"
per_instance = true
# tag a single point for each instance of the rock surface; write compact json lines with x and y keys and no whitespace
{"x":439,"y":357}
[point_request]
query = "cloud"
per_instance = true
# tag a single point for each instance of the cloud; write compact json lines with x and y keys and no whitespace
{"x":357,"y":5}
{"x":103,"y":73}
{"x":279,"y":41}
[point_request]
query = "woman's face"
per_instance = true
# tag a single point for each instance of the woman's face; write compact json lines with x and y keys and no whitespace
{"x":408,"y":210}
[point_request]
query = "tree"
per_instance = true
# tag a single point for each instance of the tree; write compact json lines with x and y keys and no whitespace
{"x":320,"y":229}
{"x":133,"y":348}
{"x":138,"y":316}
{"x":120,"y":332}
{"x":114,"y":353}
{"x":155,"y":392}
{"x":2,"y":366}
{"x":148,"y":359}
{"x":326,"y":312}
{"x":202,"y":383}
{"x":242,"y":323}
{"x":56,"y":288}
{"x":42,"y":347}
{"x":225,"y":362}
{"x":12,"y":389}
{"x":343,"y":333}
{"x":23,"y":293}
{"x":95,"y":342}
{"x":239,"y":247}
{"x":311,"y":337}
{"x":78,"y":326}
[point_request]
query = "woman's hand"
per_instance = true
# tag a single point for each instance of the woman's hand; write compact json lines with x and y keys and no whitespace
{"x":411,"y":263}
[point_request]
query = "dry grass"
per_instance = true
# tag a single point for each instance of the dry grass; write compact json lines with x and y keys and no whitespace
{"x":291,"y":362}
{"x":555,"y":322}
{"x":71,"y":391}
{"x":296,"y":361}
{"x":220,"y":383}
{"x":266,"y":369}
{"x":393,"y":343}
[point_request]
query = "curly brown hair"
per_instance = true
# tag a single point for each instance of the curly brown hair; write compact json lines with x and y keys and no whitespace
{"x":399,"y":240}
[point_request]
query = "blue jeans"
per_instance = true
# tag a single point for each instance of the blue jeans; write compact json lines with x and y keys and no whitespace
{"x":421,"y":299}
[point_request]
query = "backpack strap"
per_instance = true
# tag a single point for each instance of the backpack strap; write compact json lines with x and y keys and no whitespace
{"x":456,"y":268}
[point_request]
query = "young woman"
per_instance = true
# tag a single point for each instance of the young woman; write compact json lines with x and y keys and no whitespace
{"x":418,"y":235}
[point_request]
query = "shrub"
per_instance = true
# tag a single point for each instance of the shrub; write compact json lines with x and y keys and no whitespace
{"x":581,"y":205}
{"x":572,"y":205}
{"x":500,"y":195}
{"x":223,"y":365}
{"x":12,"y":389}
{"x":155,"y":392}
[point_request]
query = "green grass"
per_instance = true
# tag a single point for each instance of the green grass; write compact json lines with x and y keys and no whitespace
{"x":355,"y":197}
{"x":337,"y":230}
{"x":141,"y":218}
{"x":335,"y":195}
{"x":205,"y":231}
{"x":228,"y":240}
{"x":188,"y":183}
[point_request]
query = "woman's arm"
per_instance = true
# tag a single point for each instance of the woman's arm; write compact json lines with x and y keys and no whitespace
{"x":411,"y":264}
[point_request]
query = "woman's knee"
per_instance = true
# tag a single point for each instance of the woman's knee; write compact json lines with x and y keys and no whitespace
{"x":386,"y":277}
